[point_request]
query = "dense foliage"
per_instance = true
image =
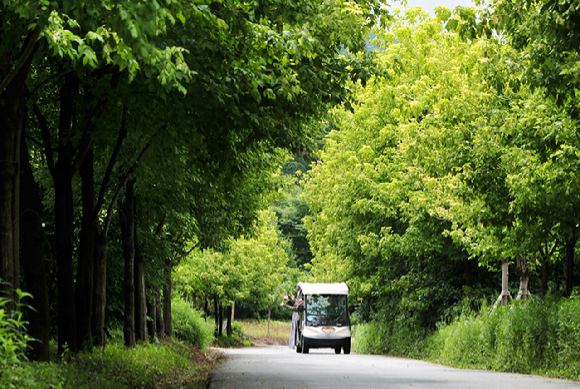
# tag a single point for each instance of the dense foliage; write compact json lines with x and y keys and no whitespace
{"x":450,"y":166}
{"x":189,"y":324}
{"x":135,"y":133}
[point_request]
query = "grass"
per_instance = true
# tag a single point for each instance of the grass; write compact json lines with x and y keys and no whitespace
{"x":170,"y":364}
{"x":258,"y":331}
{"x":536,"y":337}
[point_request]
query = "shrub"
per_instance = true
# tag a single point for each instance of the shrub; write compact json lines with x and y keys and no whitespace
{"x":566,"y":347}
{"x":390,"y":338}
{"x":13,"y":341}
{"x":537,"y":336}
{"x":189,"y":325}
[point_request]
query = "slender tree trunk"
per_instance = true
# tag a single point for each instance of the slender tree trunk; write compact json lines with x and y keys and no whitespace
{"x":140,"y":298}
{"x":152,"y":313}
{"x":159,"y":315}
{"x":128,"y":234}
{"x":207,"y":307}
{"x":524,"y":270}
{"x":221,"y":320}
{"x":216,"y":316}
{"x":545,"y":275}
{"x":469,"y":272}
{"x":505,"y":293}
{"x":32,"y":243}
{"x":167,"y":306}
{"x":99,"y":287}
{"x":229,"y":315}
{"x":269,"y":315}
{"x":85,"y":267}
{"x":570,"y":248}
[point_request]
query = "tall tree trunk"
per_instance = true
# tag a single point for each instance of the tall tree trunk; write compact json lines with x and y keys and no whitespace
{"x":167,"y":306}
{"x":570,"y":248}
{"x":505,"y":293}
{"x":127,"y":214}
{"x":63,"y":209}
{"x":99,"y":287}
{"x":524,"y":270}
{"x":12,"y":114}
{"x":85,"y":267}
{"x":140,"y":297}
{"x":12,"y":121}
{"x":32,"y":254}
{"x":159,"y":314}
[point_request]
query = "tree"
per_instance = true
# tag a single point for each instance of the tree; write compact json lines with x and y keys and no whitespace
{"x":375,"y":191}
{"x":262,"y":76}
{"x":545,"y":34}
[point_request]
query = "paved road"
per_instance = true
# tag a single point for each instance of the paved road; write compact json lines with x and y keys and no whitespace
{"x":279,"y":367}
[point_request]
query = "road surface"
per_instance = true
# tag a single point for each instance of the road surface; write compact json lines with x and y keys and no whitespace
{"x":279,"y":367}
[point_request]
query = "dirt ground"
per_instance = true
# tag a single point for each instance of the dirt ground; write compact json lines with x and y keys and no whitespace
{"x":268,"y":341}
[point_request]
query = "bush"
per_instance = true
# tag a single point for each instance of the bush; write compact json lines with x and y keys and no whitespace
{"x":189,"y":325}
{"x":537,"y":336}
{"x":13,"y":342}
{"x":389,"y":338}
{"x":238,"y":329}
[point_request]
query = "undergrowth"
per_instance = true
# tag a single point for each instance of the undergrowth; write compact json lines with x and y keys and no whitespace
{"x":539,"y":336}
{"x":170,"y":364}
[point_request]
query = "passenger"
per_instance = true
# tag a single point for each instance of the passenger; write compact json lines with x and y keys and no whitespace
{"x":295,"y":307}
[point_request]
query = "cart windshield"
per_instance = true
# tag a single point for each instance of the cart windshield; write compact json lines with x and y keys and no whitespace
{"x":326,"y":310}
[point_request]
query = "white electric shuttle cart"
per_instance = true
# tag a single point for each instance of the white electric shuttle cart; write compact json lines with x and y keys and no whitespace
{"x":325,"y":320}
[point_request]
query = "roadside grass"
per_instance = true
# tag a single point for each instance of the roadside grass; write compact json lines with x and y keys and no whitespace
{"x":538,"y":336}
{"x":169,"y":364}
{"x":175,"y":362}
{"x":257,"y":330}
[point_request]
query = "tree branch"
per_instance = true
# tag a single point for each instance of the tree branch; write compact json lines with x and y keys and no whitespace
{"x":45,"y":138}
{"x":159,"y":228}
{"x":27,"y":51}
{"x":126,"y":179}
{"x":91,"y":126}
{"x":112,"y":162}
{"x":176,"y":261}
{"x":47,"y":81}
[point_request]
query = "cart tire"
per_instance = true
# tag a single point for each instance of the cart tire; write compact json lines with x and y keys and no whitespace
{"x":303,"y":345}
{"x":347,"y":349}
{"x":337,"y":350}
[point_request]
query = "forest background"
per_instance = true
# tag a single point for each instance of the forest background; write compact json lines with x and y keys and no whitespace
{"x":142,"y":146}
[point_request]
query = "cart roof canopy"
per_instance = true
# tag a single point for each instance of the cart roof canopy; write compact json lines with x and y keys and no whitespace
{"x":338,"y":288}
